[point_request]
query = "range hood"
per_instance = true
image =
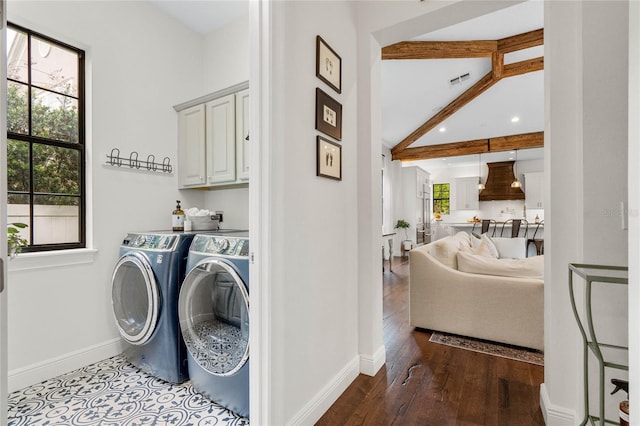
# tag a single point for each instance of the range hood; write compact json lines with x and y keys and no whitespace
{"x":498,"y":185}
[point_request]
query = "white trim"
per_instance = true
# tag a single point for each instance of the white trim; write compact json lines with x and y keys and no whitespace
{"x":51,"y":259}
{"x":370,"y":365}
{"x":318,"y":405}
{"x":555,"y":415}
{"x":36,"y":373}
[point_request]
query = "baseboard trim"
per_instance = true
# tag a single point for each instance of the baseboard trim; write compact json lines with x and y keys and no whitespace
{"x":370,"y":365}
{"x":317,"y":406}
{"x":35,"y":373}
{"x":555,"y":415}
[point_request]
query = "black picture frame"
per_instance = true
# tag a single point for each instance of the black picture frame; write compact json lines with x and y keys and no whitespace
{"x":328,"y":65}
{"x":328,"y":115}
{"x":328,"y":159}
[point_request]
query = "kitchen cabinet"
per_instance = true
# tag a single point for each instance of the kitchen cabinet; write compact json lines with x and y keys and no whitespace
{"x":242,"y":135}
{"x":534,"y":190}
{"x":212,"y":139}
{"x":467,"y":193}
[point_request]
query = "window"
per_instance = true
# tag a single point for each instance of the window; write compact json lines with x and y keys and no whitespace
{"x":441,"y":198}
{"x":45,"y":140}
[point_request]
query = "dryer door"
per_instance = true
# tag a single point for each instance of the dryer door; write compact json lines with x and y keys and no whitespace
{"x":214,"y":317}
{"x":135,"y":298}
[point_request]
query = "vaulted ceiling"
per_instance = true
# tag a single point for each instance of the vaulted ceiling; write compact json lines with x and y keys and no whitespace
{"x":457,"y":96}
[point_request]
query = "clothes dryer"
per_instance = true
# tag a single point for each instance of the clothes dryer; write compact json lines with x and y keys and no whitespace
{"x":145,"y":286}
{"x":214,"y":318}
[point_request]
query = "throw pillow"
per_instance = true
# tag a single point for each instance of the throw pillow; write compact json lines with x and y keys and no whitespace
{"x":511,"y":248}
{"x":445,"y":250}
{"x":486,"y":247}
{"x":529,"y":267}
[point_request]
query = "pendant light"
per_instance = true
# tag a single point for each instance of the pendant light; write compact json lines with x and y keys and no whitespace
{"x":480,"y":184}
{"x":516,"y":183}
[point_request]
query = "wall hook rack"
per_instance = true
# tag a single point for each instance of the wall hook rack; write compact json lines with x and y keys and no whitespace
{"x":150,"y":164}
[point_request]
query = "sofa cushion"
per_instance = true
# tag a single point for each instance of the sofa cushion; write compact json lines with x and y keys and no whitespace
{"x":511,"y":248}
{"x":486,"y":247}
{"x":530,"y":267}
{"x":445,"y":251}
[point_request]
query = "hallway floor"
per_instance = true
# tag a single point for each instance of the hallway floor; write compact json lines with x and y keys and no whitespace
{"x":114,"y":393}
{"x":425,"y":383}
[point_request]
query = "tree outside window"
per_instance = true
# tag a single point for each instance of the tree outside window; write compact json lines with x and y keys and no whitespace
{"x":45,"y":140}
{"x":441,"y":198}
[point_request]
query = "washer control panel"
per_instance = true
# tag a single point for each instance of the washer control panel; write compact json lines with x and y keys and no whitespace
{"x":221,"y":245}
{"x":161,"y":242}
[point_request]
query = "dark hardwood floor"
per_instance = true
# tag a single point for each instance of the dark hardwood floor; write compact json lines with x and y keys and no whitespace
{"x":426,"y":383}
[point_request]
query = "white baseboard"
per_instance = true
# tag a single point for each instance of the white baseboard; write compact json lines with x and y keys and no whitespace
{"x":370,"y":365}
{"x":26,"y":376}
{"x":317,"y":406}
{"x":555,"y":415}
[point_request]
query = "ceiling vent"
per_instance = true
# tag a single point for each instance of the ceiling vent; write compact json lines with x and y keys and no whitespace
{"x":498,"y":185}
{"x":460,"y":79}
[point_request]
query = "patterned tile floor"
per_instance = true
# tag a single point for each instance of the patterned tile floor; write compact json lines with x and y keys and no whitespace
{"x":115,"y":393}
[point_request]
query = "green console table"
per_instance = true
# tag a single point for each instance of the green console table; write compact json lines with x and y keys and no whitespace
{"x":605,"y":275}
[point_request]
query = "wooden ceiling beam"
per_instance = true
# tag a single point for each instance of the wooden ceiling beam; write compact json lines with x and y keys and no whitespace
{"x":470,"y":94}
{"x":521,"y":141}
{"x":523,"y":67}
{"x":477,"y":146}
{"x":521,"y":41}
{"x":440,"y":49}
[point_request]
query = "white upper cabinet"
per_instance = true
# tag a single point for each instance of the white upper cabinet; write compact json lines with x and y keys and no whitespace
{"x":467,"y":193}
{"x":191,"y":149}
{"x":242,"y":135}
{"x":534,"y":190}
{"x":221,"y":140}
{"x":213,"y":149}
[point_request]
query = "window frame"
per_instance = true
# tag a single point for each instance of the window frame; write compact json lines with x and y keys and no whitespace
{"x":79,"y":146}
{"x":438,"y":201}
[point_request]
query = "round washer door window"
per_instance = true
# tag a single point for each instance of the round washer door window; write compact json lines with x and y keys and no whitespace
{"x":214,"y":317}
{"x":135,"y":298}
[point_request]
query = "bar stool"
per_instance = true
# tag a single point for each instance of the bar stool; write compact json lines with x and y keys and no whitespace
{"x":485,"y":226}
{"x":515,"y":227}
{"x":537,"y":242}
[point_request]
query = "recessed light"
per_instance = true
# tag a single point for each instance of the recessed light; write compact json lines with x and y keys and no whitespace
{"x":442,"y":129}
{"x":515,"y":119}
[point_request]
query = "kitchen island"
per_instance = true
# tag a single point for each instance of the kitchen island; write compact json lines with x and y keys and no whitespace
{"x":441,"y":229}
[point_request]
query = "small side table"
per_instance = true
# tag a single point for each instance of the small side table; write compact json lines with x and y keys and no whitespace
{"x":603,"y":275}
{"x":390,"y":240}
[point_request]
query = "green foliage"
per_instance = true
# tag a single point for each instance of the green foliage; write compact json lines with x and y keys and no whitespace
{"x":55,"y":169}
{"x":14,"y":240}
{"x":402,"y":224}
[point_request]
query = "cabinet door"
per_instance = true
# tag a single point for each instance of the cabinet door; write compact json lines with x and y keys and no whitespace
{"x":221,"y":140}
{"x":191,"y":148}
{"x":242,"y":135}
{"x":467,"y":194}
{"x":534,"y":190}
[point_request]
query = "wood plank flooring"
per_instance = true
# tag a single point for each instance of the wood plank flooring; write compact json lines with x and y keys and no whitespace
{"x":426,"y":383}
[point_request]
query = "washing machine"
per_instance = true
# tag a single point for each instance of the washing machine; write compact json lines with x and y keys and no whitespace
{"x":145,"y":287}
{"x":213,"y":308}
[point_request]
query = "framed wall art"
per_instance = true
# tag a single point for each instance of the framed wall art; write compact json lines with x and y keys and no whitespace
{"x":328,"y":115}
{"x":329,"y":161}
{"x":328,"y":65}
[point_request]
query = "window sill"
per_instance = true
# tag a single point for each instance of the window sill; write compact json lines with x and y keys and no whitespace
{"x":51,"y":259}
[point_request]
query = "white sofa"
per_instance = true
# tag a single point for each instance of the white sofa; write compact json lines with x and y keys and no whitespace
{"x":507,"y":309}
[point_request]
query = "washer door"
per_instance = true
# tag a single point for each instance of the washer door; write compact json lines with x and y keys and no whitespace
{"x":214,"y":317}
{"x":135,"y":298}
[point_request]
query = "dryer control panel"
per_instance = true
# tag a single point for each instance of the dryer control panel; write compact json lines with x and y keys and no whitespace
{"x":220,"y":245}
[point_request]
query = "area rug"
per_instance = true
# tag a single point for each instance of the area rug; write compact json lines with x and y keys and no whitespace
{"x":490,"y":348}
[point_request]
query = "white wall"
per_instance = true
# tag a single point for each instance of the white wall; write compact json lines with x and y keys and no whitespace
{"x":585,"y":151}
{"x":139,"y":64}
{"x":226,"y":63}
{"x":313,"y":279}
